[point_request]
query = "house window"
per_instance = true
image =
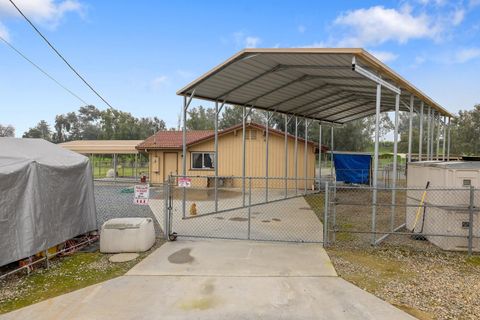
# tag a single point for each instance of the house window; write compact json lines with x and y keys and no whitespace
{"x":203,"y":160}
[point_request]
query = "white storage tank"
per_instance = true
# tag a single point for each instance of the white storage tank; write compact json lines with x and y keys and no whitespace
{"x":127,"y":235}
{"x":457,"y":176}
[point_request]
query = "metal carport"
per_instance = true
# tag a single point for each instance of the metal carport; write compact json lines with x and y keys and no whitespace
{"x":330,"y":86}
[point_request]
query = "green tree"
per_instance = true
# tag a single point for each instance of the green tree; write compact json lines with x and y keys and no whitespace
{"x":41,"y":130}
{"x":7,"y":130}
{"x":201,"y":119}
{"x":233,"y":115}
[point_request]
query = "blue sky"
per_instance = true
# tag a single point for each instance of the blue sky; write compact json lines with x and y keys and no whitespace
{"x":138,"y":53}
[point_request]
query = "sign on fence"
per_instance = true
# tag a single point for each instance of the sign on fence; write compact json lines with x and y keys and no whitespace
{"x":185,"y":182}
{"x":141,"y":195}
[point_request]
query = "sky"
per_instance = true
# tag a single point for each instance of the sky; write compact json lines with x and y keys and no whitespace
{"x":137,"y":54}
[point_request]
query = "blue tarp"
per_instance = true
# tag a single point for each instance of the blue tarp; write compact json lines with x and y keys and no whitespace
{"x":352,"y":168}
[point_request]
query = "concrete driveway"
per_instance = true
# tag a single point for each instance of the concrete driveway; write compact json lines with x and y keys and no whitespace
{"x":221,"y":280}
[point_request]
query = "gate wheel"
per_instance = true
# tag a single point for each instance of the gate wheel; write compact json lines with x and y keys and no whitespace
{"x":172,"y":236}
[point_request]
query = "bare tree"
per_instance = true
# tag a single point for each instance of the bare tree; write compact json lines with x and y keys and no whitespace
{"x":7,"y":131}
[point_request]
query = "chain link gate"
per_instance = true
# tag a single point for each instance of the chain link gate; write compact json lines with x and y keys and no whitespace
{"x":288,"y":211}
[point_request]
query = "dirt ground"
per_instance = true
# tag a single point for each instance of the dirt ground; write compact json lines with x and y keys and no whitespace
{"x":429,"y":284}
{"x":416,"y":276}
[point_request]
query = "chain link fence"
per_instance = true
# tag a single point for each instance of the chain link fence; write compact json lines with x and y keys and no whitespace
{"x":116,"y":200}
{"x":244,"y":208}
{"x":423,"y":218}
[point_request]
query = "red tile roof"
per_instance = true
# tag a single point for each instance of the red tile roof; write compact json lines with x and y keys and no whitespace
{"x":173,"y":139}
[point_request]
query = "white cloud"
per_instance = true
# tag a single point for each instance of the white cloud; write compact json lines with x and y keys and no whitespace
{"x":158,"y":82}
{"x":465,"y":55}
{"x":46,"y":12}
{"x":458,"y":16}
{"x":377,"y":25}
{"x":301,"y":28}
{"x":185,"y":73}
{"x":384,"y":56}
{"x":4,"y":32}
{"x":252,"y":42}
{"x":245,"y":41}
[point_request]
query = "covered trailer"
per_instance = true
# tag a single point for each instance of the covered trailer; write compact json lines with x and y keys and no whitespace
{"x":46,"y":197}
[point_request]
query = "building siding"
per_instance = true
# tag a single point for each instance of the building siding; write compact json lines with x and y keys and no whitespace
{"x":230,"y":160}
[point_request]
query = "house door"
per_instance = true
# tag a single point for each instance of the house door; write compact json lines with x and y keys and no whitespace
{"x":170,"y":164}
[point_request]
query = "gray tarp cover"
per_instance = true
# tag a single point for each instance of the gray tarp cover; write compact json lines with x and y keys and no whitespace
{"x":46,"y":197}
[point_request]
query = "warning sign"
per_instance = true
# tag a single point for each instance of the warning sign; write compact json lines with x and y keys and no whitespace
{"x":185,"y":182}
{"x":141,"y":194}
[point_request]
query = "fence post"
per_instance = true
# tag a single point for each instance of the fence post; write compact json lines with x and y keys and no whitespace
{"x":166,"y":197}
{"x":325,"y":217}
{"x":470,"y":220}
{"x":249,"y":205}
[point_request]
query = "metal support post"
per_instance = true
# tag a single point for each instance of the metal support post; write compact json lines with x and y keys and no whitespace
{"x":266,"y":154}
{"x":249,"y":205}
{"x":394,"y":175}
{"x":295,"y":158}
{"x":244,"y":149}
{"x":216,"y":156}
{"x":186,"y":103}
{"x":331,"y":153}
{"x":319,"y":155}
{"x":305,"y":162}
{"x":438,"y":136}
{"x":410,"y":119}
{"x":444,"y":137}
{"x":429,"y":115}
{"x":136,"y":166}
{"x":375,"y":162}
{"x":420,"y":133}
{"x":325,"y":216}
{"x":285,"y":118}
{"x":448,"y":136}
{"x":115,"y":167}
{"x":432,"y":145}
{"x":470,"y":220}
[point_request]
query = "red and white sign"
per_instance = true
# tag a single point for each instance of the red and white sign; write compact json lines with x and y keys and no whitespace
{"x":141,"y":194}
{"x":185,"y":182}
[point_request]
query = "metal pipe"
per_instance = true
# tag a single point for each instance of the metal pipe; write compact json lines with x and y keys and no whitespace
{"x":115,"y":167}
{"x":420,"y":133}
{"x":375,"y":161}
{"x":249,"y":206}
{"x":410,"y":119}
{"x":432,"y":132}
{"x":428,"y":132}
{"x":266,"y":155}
{"x":331,"y":152}
{"x":184,"y":154}
{"x":444,"y":136}
{"x":305,"y":163}
{"x":216,"y":156}
{"x":448,"y":144}
{"x":325,"y":216}
{"x":394,"y":175}
{"x":438,"y":136}
{"x":319,"y":155}
{"x":243,"y":152}
{"x":295,"y":159}
{"x":285,"y":117}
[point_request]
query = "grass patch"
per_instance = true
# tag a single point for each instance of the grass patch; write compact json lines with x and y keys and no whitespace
{"x":473,"y":260}
{"x":316,"y":202}
{"x":65,"y":274}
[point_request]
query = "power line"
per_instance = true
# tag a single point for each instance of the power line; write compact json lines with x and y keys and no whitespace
{"x":59,"y":54}
{"x":42,"y":71}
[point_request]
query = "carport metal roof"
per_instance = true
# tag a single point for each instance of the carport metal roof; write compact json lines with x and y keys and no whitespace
{"x":316,"y":83}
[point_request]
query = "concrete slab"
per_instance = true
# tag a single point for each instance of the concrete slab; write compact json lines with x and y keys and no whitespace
{"x":213,"y":279}
{"x":236,"y":258}
{"x":172,"y":297}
